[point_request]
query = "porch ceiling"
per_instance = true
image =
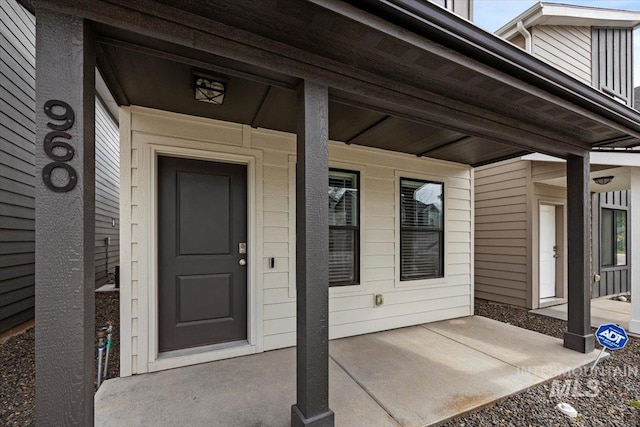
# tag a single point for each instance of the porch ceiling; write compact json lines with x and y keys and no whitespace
{"x":403,"y":75}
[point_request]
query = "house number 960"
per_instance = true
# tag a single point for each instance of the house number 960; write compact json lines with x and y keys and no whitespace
{"x":56,"y":149}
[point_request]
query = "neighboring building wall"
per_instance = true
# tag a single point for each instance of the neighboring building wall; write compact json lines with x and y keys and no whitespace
{"x":502,"y":242}
{"x":17,"y":170}
{"x":565,"y":47}
{"x":613,"y":279}
{"x":613,"y":62}
{"x":352,"y":308}
{"x":107,"y":194}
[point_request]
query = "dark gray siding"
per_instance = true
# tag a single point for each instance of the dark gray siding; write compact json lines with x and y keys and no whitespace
{"x":612,"y":62}
{"x":17,"y":215}
{"x":613,"y":279}
{"x":107,"y":193}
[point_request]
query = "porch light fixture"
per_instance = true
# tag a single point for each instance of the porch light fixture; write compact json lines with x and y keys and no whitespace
{"x":603,"y":180}
{"x":209,"y":88}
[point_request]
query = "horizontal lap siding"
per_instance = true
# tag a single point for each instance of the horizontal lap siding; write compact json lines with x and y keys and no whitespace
{"x":107,"y":194}
{"x":352,"y":309}
{"x":501,"y":227}
{"x":566,"y":48}
{"x":17,"y":170}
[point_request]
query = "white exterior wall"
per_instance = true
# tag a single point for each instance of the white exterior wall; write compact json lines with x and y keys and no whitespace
{"x":270,"y":157}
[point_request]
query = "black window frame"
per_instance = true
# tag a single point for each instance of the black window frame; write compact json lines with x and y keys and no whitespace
{"x":613,"y":231}
{"x":441,"y":230}
{"x":354,"y":228}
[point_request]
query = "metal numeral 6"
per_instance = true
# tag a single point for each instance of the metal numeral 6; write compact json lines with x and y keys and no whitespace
{"x":46,"y":177}
{"x":68,"y":116}
{"x":50,"y":144}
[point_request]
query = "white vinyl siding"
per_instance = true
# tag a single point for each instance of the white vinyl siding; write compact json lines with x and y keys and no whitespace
{"x":567,"y":48}
{"x":502,"y":232}
{"x":352,"y":309}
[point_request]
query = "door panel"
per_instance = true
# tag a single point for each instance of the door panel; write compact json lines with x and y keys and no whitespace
{"x":547,"y":248}
{"x":202,"y":219}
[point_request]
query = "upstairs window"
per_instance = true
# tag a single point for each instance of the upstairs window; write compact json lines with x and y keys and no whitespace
{"x":421,"y":229}
{"x":344,"y":227}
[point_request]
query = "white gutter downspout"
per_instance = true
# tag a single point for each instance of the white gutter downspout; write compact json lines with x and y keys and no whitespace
{"x":526,"y":34}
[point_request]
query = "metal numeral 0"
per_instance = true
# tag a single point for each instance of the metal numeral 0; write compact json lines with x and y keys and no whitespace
{"x":50,"y":144}
{"x":46,"y":177}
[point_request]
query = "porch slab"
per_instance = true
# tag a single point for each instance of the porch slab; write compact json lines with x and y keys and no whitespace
{"x":414,"y":376}
{"x":603,"y":310}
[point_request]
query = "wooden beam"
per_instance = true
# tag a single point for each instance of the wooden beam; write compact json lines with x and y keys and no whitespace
{"x":312,"y":259}
{"x":367,"y":129}
{"x":579,"y":336}
{"x":446,"y":144}
{"x":65,"y":198}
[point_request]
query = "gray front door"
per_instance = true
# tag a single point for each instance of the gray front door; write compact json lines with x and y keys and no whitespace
{"x":202,"y":284}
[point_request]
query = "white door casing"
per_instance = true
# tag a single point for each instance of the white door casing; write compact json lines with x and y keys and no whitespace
{"x":547,"y":247}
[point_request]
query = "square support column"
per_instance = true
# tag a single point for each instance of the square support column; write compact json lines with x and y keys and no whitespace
{"x":65,"y":235}
{"x":312,"y":259}
{"x":634,"y":324}
{"x":578,"y":336}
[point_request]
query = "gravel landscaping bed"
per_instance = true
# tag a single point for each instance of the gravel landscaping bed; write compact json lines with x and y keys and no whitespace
{"x":17,"y":365}
{"x":617,"y":379}
{"x":615,"y":383}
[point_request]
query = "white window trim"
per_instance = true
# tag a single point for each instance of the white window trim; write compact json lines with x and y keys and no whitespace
{"x":396,"y":194}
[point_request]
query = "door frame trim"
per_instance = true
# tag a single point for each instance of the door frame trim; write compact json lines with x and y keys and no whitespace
{"x":227,"y":154}
{"x":561,"y":266}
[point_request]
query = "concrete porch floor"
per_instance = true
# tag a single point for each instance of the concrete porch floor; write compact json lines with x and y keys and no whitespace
{"x":414,"y":376}
{"x":603,"y":310}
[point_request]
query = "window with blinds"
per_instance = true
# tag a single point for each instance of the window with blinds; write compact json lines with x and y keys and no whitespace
{"x":344,"y":227}
{"x":421,"y":229}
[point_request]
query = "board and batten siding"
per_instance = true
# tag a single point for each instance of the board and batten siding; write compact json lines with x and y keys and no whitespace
{"x":612,"y":59}
{"x":502,"y":238}
{"x":352,"y":309}
{"x":614,"y":279}
{"x":17,"y":170}
{"x":567,"y":48}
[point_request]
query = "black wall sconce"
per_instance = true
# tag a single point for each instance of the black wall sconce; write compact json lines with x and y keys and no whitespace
{"x":603,"y":180}
{"x":209,"y":89}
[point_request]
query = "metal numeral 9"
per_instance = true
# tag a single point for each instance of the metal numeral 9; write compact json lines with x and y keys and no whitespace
{"x":50,"y":143}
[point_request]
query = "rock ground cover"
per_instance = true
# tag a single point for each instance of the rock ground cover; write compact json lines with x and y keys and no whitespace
{"x":17,"y":365}
{"x":618,"y":381}
{"x":615,"y":383}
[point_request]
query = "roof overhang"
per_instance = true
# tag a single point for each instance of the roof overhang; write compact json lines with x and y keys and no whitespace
{"x":562,"y":14}
{"x":406,"y":59}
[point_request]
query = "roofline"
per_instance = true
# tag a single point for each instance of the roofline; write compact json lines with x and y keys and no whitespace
{"x":455,"y":32}
{"x":541,"y":12}
{"x":611,"y":158}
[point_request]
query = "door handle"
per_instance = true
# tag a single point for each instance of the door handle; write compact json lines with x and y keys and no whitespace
{"x":242,"y":262}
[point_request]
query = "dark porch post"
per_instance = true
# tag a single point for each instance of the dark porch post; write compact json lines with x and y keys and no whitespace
{"x":312,"y":259}
{"x":578,"y":336}
{"x":65,"y":166}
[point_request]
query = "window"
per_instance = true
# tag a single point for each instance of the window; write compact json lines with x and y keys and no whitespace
{"x":442,"y":3}
{"x":421,"y":229}
{"x":344,"y":227}
{"x":613,"y":242}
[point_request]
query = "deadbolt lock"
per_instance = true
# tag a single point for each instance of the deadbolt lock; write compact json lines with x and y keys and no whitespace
{"x":242,"y":262}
